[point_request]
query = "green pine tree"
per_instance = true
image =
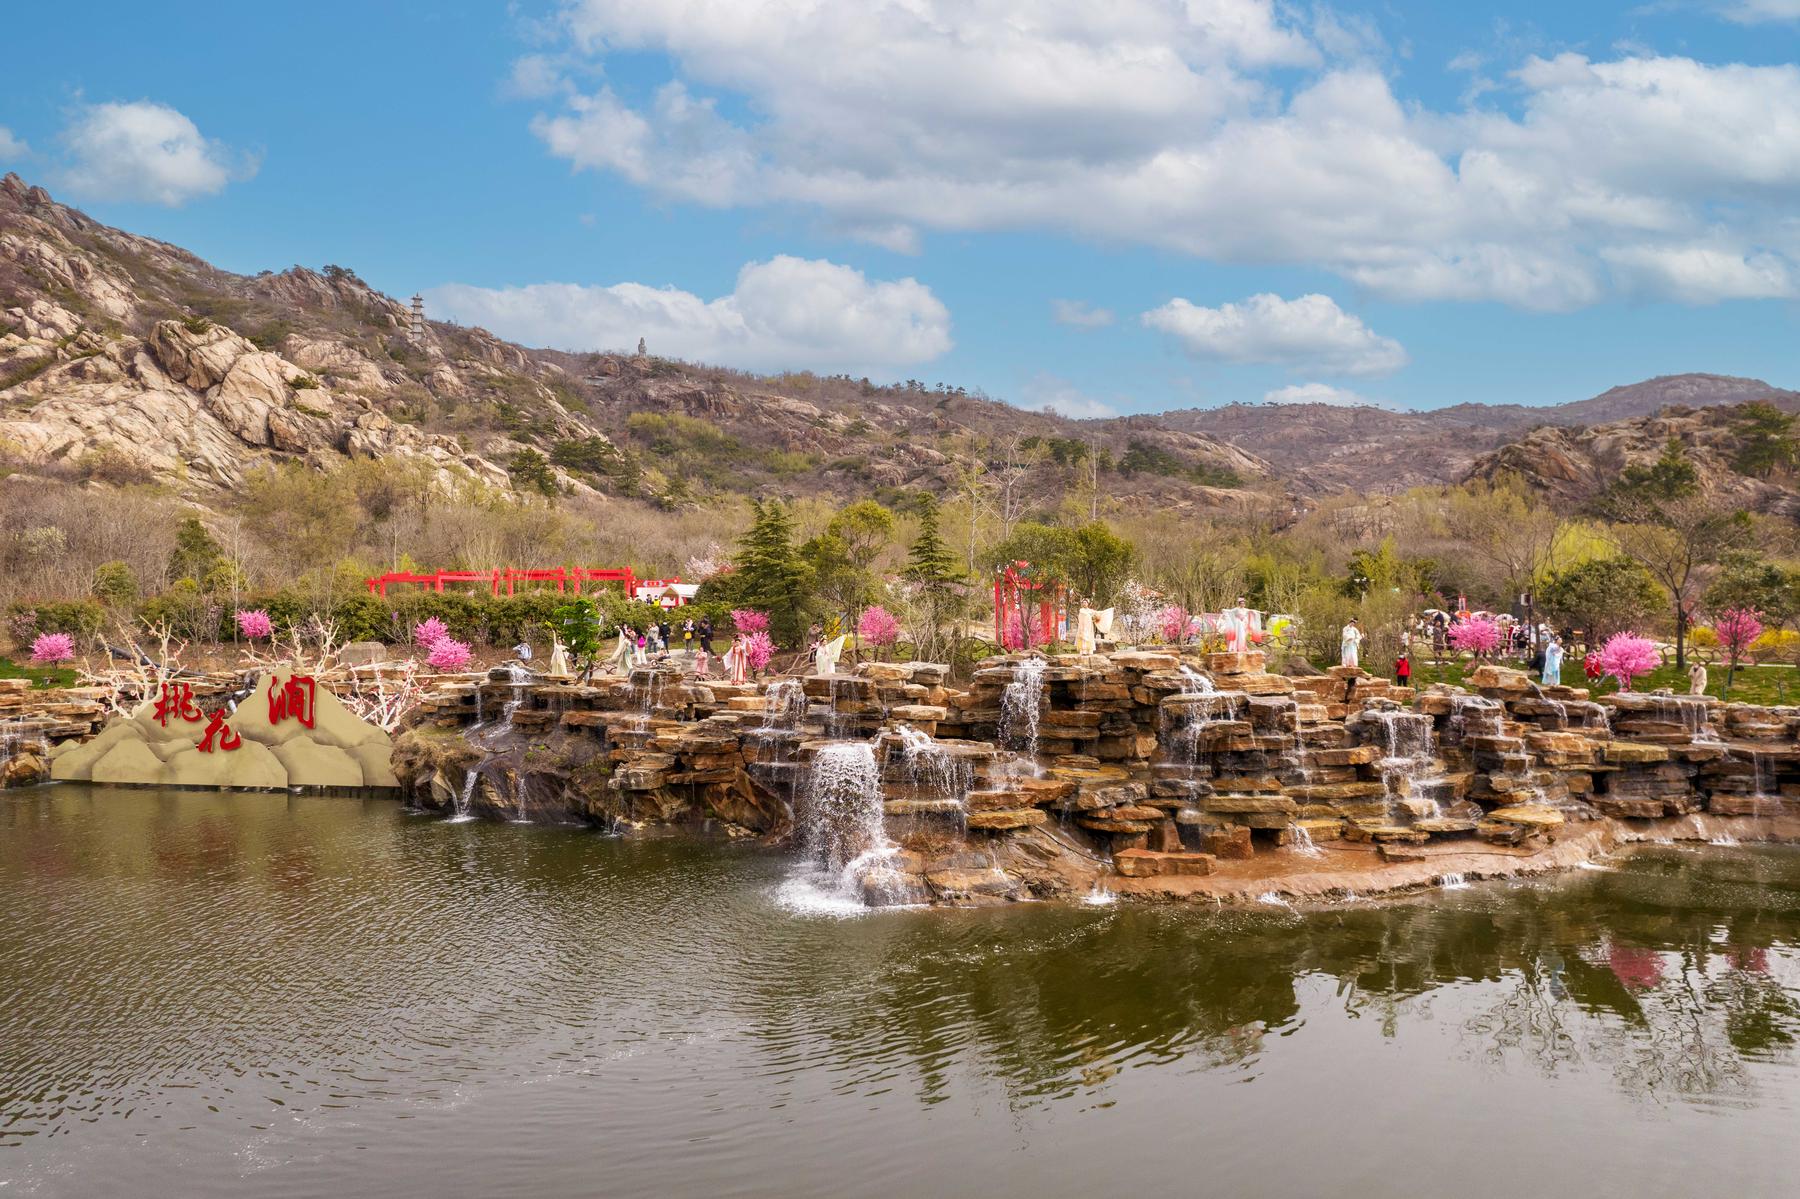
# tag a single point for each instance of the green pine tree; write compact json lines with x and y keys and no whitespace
{"x":770,"y":575}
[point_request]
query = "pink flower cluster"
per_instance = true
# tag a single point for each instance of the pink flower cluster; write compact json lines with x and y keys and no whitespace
{"x":1476,"y":636}
{"x":1172,"y":623}
{"x":1737,"y":629}
{"x":748,"y":620}
{"x":758,"y":649}
{"x":254,"y":623}
{"x":51,"y":648}
{"x":442,"y":651}
{"x":1625,"y":656}
{"x":1012,"y":635}
{"x":878,"y":626}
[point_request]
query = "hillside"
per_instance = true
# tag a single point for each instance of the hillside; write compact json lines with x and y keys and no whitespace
{"x":1320,"y":448}
{"x":124,"y":358}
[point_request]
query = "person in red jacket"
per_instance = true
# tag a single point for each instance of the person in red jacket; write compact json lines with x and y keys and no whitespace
{"x":1403,"y":670}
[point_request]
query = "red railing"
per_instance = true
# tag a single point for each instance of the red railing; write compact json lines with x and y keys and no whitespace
{"x":503,"y":582}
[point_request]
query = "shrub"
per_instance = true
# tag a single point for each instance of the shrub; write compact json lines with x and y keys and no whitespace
{"x":878,"y":626}
{"x":428,"y":632}
{"x":114,"y":584}
{"x":303,"y":383}
{"x":1476,"y":636}
{"x":82,"y":619}
{"x":758,"y":649}
{"x":1172,"y":623}
{"x":447,"y":653}
{"x":1776,"y":645}
{"x":254,"y":624}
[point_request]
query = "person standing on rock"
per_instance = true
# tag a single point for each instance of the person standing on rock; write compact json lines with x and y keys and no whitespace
{"x":1350,"y":645}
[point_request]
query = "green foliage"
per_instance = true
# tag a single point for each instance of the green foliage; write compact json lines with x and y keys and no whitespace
{"x":1600,"y":597}
{"x":770,"y":576}
{"x":114,"y":584}
{"x":196,"y":553}
{"x":1064,"y":451}
{"x":82,"y":619}
{"x":577,"y":625}
{"x":42,"y":677}
{"x":1150,"y":458}
{"x":930,"y":561}
{"x":530,"y":471}
{"x":1748,"y":583}
{"x":1091,"y":560}
{"x":196,"y":324}
{"x":303,"y":383}
{"x":1765,"y":439}
{"x":1672,"y":476}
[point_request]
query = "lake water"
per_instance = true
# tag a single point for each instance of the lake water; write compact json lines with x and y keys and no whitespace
{"x":206,"y":994}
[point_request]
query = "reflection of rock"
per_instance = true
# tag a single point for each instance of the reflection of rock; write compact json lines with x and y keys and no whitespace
{"x":340,"y":750}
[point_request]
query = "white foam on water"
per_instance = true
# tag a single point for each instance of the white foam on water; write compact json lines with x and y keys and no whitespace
{"x":1453,"y":881}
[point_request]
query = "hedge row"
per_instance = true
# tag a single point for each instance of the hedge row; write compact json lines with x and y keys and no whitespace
{"x":472,"y":617}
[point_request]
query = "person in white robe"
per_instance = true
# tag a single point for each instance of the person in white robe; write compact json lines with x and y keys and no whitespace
{"x":1090,"y":626}
{"x":1350,"y":645}
{"x":559,"y":656}
{"x":827,"y":653}
{"x":737,"y":660}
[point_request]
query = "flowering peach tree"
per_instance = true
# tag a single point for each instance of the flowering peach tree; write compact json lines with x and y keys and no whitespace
{"x":1478,"y":637}
{"x":759,"y":648}
{"x":1738,"y":629}
{"x":254,"y":624}
{"x":1625,"y":656}
{"x":447,"y":653}
{"x":51,"y":648}
{"x":878,"y":627}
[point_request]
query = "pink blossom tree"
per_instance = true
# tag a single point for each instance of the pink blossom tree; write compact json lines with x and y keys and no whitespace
{"x":759,"y":649}
{"x":429,"y":632}
{"x":1737,"y":629}
{"x":254,"y":624}
{"x":51,"y":648}
{"x":749,"y":620}
{"x":878,"y":627}
{"x":1172,"y":623}
{"x":1478,"y":637}
{"x":447,"y":653}
{"x":1014,"y":634}
{"x":1625,"y":656}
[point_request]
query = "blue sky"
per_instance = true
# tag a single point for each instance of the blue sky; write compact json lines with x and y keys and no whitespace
{"x":1416,"y":203}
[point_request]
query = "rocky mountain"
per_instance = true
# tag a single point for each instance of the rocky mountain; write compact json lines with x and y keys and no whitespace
{"x":127,"y":359}
{"x":123,"y":358}
{"x":1572,"y":465}
{"x":1321,"y":448}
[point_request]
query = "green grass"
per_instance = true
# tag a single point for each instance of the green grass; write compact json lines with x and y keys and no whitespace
{"x":40,"y":676}
{"x":1767,"y":685}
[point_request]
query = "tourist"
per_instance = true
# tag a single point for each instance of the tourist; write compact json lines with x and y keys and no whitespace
{"x":1697,"y":678}
{"x":706,"y":634}
{"x":702,"y":664}
{"x":663,"y":631}
{"x":1350,"y":644}
{"x":641,"y":650}
{"x":687,"y":636}
{"x":1550,"y":672}
{"x":522,"y":651}
{"x":1403,"y":670}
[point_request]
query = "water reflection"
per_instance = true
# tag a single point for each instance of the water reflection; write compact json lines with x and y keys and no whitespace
{"x":182,"y":971}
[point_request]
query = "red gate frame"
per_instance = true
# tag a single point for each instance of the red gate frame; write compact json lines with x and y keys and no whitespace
{"x":1010,"y":599}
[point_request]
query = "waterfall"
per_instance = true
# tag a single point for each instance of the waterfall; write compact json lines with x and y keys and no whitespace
{"x":784,"y":705}
{"x":518,"y":677}
{"x":465,"y":797}
{"x":1759,"y":789}
{"x":1020,"y":705}
{"x":1407,"y":760}
{"x":1474,"y":716}
{"x":1303,"y":842}
{"x":10,"y":736}
{"x":928,"y":765}
{"x":1453,"y":880}
{"x":1690,"y":714}
{"x":841,"y":816}
{"x":519,"y":797}
{"x":1197,"y":683}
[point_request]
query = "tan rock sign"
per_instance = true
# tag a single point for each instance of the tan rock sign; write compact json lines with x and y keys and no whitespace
{"x":340,"y":749}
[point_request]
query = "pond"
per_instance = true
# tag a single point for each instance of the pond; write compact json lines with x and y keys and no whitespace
{"x":245,"y":994}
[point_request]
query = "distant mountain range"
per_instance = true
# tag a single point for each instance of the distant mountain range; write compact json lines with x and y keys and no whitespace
{"x":123,"y":358}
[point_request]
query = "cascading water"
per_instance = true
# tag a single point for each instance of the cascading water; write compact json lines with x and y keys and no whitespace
{"x":784,"y":705}
{"x":1690,"y":714}
{"x":1407,"y":762}
{"x":518,"y":678}
{"x":1303,"y":844}
{"x":1020,"y":705}
{"x":1474,"y":716}
{"x":465,"y":798}
{"x":840,"y":816}
{"x":928,"y":766}
{"x":519,"y":815}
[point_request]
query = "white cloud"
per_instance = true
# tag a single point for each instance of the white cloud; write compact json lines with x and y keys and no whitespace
{"x":1308,"y":333}
{"x":1048,"y":393}
{"x":1756,"y":12}
{"x":1217,"y":128}
{"x":1079,"y":314}
{"x":1702,"y":275}
{"x":1315,"y":393}
{"x":146,"y":151}
{"x":786,"y":312}
{"x":11,"y":146}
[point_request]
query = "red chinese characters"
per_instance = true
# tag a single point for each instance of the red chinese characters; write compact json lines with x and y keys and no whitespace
{"x":176,"y":699}
{"x":217,"y":727}
{"x":294,"y":699}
